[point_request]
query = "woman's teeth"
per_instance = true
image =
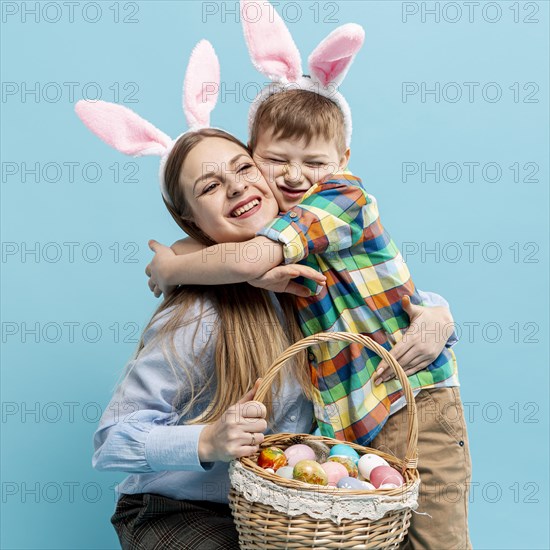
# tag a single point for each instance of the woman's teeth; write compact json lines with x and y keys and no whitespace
{"x":240,"y":211}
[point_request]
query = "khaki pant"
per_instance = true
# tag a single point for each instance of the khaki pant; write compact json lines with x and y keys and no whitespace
{"x":444,"y":466}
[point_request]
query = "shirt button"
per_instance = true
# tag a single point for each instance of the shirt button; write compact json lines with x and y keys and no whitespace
{"x":293,"y":418}
{"x":293,"y":215}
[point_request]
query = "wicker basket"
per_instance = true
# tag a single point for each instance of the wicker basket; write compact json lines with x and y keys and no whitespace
{"x":266,"y":524}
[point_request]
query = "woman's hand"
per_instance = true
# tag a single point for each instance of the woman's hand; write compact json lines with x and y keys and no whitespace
{"x":159,"y":269}
{"x":424,"y":340}
{"x":237,"y":433}
{"x":279,"y":279}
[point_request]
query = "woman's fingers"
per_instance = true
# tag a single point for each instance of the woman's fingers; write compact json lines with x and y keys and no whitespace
{"x":251,"y":425}
{"x":404,"y":362}
{"x":252,"y":439}
{"x":297,"y":290}
{"x":309,"y":273}
{"x":383,"y":368}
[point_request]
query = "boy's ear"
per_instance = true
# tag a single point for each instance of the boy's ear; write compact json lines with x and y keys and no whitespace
{"x":344,"y":159}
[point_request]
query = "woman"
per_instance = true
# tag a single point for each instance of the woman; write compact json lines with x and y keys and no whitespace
{"x":184,"y":408}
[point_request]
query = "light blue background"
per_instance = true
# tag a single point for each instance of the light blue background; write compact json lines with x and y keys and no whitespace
{"x":51,"y":451}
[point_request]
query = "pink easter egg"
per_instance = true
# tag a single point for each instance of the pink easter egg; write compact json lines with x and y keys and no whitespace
{"x":298,"y":452}
{"x":382,"y":475}
{"x":335,"y":472}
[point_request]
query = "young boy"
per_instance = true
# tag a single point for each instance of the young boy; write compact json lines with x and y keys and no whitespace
{"x":334,"y":228}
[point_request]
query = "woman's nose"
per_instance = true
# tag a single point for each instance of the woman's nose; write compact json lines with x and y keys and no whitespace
{"x":236,"y":185}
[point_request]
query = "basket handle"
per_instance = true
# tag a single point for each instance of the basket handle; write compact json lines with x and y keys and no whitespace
{"x":411,"y":455}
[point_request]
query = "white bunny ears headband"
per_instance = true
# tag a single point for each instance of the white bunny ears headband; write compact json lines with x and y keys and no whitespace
{"x":130,"y":134}
{"x":274,"y":54}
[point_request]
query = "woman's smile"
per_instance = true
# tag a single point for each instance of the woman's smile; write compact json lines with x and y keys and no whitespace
{"x":247,"y":208}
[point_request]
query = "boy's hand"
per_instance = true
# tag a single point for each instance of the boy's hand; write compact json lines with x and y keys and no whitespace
{"x":159,"y":269}
{"x":279,"y":279}
{"x":423,"y":341}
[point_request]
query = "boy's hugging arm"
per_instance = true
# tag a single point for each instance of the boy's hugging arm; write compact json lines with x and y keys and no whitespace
{"x":194,"y":264}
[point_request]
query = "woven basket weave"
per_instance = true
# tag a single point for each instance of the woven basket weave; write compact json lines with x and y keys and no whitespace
{"x":262,"y":526}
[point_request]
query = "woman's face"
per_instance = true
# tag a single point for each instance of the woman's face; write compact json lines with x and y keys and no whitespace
{"x":228,"y":197}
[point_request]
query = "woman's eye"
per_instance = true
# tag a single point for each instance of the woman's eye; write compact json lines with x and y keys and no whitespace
{"x":316,"y":164}
{"x":209,"y":188}
{"x":277,"y":161}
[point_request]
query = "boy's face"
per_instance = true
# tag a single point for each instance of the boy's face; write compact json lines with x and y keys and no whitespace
{"x":291,"y":167}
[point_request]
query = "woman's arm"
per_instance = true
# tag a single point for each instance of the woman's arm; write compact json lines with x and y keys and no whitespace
{"x":139,"y":431}
{"x":430,"y":331}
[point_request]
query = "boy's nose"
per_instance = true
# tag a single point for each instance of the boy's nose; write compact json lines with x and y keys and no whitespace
{"x":292,"y":174}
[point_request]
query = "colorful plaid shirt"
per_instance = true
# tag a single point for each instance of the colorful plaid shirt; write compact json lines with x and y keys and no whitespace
{"x":336,"y":229}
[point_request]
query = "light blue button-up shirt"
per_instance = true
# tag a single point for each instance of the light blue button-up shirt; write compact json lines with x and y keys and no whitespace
{"x":140,"y":432}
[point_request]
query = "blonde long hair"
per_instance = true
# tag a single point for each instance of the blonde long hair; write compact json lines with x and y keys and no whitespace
{"x":248,"y":333}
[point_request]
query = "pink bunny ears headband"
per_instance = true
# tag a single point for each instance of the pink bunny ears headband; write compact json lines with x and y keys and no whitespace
{"x":275,"y":55}
{"x":130,"y":134}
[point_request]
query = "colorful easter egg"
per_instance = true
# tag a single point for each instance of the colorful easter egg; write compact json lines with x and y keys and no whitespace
{"x":385,"y":474}
{"x":286,"y":472}
{"x":368,"y":462}
{"x":310,"y":471}
{"x":298,"y":452}
{"x":353,"y":483}
{"x":388,"y":486}
{"x":335,"y":472}
{"x":347,"y":462}
{"x":344,"y":450}
{"x":272,"y":457}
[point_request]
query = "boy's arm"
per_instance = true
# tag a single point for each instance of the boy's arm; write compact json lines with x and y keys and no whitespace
{"x":224,"y":263}
{"x":186,"y":246}
{"x":332,"y":216}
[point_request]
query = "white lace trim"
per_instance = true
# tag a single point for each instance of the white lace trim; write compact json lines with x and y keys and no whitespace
{"x":335,"y":506}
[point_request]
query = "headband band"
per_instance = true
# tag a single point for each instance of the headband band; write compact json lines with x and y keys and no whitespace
{"x":275,"y":55}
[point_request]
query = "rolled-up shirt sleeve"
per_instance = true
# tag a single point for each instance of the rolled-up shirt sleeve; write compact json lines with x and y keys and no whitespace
{"x":140,"y":430}
{"x":330,"y":217}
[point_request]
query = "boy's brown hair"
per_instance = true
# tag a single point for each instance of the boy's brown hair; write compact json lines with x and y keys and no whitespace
{"x":300,"y":114}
